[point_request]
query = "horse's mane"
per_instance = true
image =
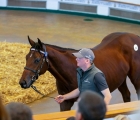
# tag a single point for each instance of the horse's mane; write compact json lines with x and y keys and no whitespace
{"x":60,"y":48}
{"x":38,"y":47}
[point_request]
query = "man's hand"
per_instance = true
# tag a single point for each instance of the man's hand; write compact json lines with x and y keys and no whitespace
{"x":60,"y":98}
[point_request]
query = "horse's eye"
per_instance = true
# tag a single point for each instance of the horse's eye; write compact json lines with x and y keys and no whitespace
{"x":37,"y":60}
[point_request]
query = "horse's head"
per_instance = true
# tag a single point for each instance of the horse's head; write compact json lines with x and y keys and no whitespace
{"x":36,"y":63}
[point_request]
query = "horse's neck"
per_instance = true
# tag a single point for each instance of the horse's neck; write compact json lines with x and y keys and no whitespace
{"x":62,"y":63}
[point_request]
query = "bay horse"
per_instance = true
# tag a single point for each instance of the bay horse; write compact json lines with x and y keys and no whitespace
{"x":116,"y":56}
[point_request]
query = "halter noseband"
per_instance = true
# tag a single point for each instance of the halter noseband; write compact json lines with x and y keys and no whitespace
{"x":36,"y":72}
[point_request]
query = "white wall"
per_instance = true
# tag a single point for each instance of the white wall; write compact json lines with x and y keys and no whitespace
{"x":3,"y":3}
{"x":103,"y":7}
{"x":52,"y":4}
{"x":103,"y":10}
{"x":129,"y":1}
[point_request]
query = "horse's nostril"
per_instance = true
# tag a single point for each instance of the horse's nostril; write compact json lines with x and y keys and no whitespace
{"x":23,"y":84}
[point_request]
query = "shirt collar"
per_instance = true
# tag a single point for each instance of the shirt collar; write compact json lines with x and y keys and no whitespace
{"x":92,"y":66}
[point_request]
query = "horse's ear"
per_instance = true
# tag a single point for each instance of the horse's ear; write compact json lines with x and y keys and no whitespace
{"x":31,"y":41}
{"x":40,"y":43}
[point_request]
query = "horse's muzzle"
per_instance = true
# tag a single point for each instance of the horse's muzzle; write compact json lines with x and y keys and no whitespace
{"x":24,"y":85}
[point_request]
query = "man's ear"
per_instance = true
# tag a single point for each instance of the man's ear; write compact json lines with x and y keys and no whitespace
{"x":88,"y":60}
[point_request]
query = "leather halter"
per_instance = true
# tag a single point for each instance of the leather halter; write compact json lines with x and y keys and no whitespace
{"x":36,"y":72}
{"x":44,"y":59}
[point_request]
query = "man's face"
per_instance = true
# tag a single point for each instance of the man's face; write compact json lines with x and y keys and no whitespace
{"x":81,"y":61}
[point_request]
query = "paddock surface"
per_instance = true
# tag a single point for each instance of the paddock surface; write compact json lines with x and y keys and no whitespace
{"x":62,"y":30}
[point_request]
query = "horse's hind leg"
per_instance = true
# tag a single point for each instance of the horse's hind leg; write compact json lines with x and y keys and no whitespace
{"x":137,"y":87}
{"x":124,"y":91}
{"x":66,"y":105}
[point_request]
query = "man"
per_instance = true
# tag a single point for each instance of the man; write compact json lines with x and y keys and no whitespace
{"x":19,"y":111}
{"x":90,"y":106}
{"x":89,"y":77}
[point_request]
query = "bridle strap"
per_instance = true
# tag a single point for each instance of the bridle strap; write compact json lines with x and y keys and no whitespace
{"x":34,"y":71}
{"x":45,"y":53}
{"x":40,"y":51}
{"x":37,"y":71}
{"x":46,"y":59}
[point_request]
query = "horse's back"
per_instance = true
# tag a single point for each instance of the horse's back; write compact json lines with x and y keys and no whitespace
{"x":115,"y":56}
{"x":118,"y":39}
{"x":124,"y":43}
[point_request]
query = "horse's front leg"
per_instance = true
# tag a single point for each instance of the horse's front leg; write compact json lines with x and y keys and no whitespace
{"x":66,"y":105}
